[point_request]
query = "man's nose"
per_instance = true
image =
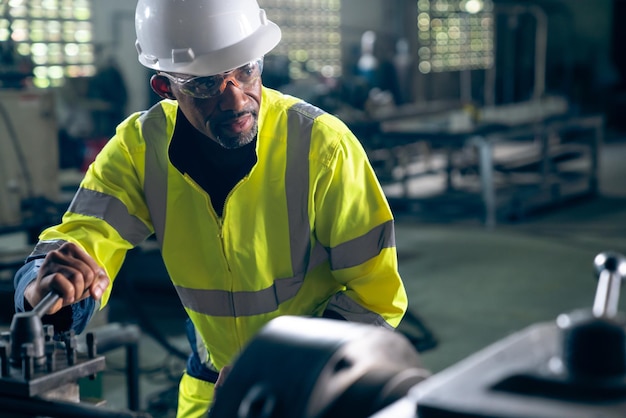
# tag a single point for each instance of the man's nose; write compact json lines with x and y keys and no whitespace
{"x":229,"y":79}
{"x":233,"y":97}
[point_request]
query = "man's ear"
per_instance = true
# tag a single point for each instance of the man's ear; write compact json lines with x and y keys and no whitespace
{"x":161,"y":86}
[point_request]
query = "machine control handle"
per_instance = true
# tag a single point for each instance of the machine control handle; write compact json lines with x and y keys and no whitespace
{"x":611,"y":270}
{"x":27,"y":328}
{"x":46,"y":303}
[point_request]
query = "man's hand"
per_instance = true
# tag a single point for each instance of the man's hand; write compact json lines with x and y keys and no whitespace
{"x":222,"y":376}
{"x":70,"y":272}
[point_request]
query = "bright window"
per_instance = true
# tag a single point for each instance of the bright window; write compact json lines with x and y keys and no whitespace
{"x":455,"y":35}
{"x":311,"y":35}
{"x":55,"y":35}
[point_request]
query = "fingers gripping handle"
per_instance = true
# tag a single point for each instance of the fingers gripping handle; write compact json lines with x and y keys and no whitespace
{"x":611,"y":270}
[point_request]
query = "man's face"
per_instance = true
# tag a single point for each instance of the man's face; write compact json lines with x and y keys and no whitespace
{"x":230,"y":119}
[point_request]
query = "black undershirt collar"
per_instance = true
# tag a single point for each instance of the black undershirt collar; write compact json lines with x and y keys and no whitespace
{"x":216,"y":169}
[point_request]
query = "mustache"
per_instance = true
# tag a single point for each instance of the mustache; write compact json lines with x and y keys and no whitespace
{"x":231,"y":115}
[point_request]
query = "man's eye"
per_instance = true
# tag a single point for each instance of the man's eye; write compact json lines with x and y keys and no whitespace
{"x":247,"y":71}
{"x":207,"y":82}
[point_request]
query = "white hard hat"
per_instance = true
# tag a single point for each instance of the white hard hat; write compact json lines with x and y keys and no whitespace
{"x":202,"y":37}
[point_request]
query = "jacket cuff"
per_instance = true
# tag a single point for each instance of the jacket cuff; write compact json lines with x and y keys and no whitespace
{"x":74,"y":317}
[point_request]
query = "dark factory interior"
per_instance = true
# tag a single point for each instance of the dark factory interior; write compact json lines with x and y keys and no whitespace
{"x":497,"y":133}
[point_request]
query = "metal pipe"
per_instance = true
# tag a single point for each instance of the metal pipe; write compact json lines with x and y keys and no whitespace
{"x":541,"y":50}
{"x":132,"y":376}
{"x":490,"y":76}
{"x":611,"y":269}
{"x":45,"y":304}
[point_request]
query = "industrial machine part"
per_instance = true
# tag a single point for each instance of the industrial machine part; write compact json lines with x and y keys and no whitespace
{"x":31,"y":362}
{"x":313,"y":367}
{"x":113,"y":336}
{"x":39,"y":373}
{"x":573,"y":367}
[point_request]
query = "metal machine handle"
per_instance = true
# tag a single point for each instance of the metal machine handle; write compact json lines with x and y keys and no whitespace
{"x":46,"y":303}
{"x":27,"y":328}
{"x":611,"y":270}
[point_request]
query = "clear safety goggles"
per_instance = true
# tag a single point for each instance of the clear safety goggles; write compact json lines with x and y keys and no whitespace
{"x":214,"y":85}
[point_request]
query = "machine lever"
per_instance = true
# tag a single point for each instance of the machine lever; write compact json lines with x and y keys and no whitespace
{"x":594,"y":342}
{"x":27,"y":328}
{"x":611,"y":270}
{"x":46,"y":303}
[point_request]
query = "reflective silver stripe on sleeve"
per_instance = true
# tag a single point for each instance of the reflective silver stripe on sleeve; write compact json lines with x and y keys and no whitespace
{"x":44,"y":247}
{"x":234,"y":304}
{"x":111,"y":210}
{"x":363,"y":248}
{"x":352,"y":311}
{"x":153,"y":125}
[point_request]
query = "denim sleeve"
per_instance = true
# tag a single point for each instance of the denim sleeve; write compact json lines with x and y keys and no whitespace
{"x":74,"y":317}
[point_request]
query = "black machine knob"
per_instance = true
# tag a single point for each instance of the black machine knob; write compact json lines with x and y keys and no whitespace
{"x":594,"y":343}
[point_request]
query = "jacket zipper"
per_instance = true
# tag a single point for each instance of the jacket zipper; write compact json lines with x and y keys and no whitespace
{"x":218,"y":219}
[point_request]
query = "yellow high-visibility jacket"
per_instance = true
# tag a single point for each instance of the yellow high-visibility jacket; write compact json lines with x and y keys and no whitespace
{"x":307,"y":230}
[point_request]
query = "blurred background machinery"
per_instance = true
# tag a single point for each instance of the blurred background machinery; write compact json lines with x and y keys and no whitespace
{"x":483,"y":105}
{"x":474,"y":107}
{"x":29,"y":153}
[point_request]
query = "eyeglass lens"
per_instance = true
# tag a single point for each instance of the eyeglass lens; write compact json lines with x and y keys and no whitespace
{"x":212,"y":86}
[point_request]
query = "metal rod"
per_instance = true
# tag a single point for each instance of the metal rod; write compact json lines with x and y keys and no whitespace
{"x":611,"y":269}
{"x":132,"y":376}
{"x":45,"y":304}
{"x":607,"y":295}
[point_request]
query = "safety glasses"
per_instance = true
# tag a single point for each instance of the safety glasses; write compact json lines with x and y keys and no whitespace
{"x":212,"y":86}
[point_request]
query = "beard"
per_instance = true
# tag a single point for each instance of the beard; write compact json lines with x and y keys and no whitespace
{"x":229,"y":140}
{"x":237,"y":141}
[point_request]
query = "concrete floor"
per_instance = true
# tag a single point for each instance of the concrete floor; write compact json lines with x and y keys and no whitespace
{"x":470,"y":286}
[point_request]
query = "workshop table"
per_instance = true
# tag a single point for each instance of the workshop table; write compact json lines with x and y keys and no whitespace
{"x":537,"y":122}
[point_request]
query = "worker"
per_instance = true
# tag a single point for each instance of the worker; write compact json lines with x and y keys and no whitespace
{"x":262,"y":205}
